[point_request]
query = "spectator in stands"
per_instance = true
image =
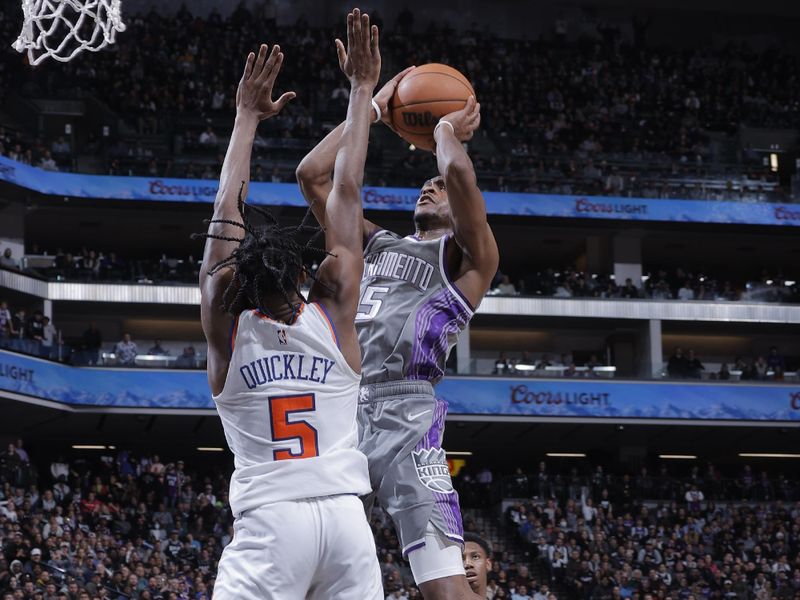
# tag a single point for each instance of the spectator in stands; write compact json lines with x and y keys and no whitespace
{"x":760,"y":368}
{"x":126,"y":351}
{"x":502,"y":366}
{"x":19,"y":332}
{"x":49,"y":335}
{"x":724,"y":372}
{"x":776,"y":362}
{"x":34,"y":332}
{"x":157,"y":350}
{"x":686,"y":292}
{"x":629,"y":290}
{"x":91,"y":343}
{"x":5,"y":325}
{"x":7,"y":260}
{"x":678,"y":366}
{"x":694,"y":367}
{"x":208,"y":138}
{"x":187,"y":359}
{"x":47,"y":162}
{"x":60,"y":147}
{"x":506,"y":288}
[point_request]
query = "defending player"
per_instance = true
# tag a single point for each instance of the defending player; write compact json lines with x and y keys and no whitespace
{"x":285,"y":373}
{"x":417,"y":294}
{"x":477,"y":562}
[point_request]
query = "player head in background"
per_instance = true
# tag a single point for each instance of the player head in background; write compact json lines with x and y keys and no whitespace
{"x":477,"y":562}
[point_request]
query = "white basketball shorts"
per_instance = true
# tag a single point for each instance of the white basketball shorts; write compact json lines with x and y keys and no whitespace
{"x":313,"y":549}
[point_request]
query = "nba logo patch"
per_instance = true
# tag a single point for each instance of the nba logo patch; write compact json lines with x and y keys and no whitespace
{"x":282,"y":339}
{"x":432,"y":470}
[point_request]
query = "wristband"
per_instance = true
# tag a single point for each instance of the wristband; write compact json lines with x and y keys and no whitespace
{"x":444,"y":122}
{"x":378,"y":114}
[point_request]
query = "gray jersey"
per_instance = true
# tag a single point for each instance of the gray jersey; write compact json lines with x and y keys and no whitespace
{"x":410,"y":313}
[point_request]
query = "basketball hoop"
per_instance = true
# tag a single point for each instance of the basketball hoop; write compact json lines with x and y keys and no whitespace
{"x":62,"y":29}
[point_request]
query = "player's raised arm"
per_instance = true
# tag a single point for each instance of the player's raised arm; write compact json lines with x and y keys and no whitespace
{"x":314,"y":171}
{"x":467,"y":205}
{"x":339,"y":275}
{"x":253,"y":104}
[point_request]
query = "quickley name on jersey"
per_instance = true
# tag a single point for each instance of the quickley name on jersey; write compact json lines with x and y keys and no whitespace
{"x":410,"y":312}
{"x":285,"y":366}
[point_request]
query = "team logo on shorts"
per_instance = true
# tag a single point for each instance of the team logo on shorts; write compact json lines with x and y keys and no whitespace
{"x":433,"y":471}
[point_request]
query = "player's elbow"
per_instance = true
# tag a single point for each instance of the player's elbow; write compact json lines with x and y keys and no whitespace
{"x":309,"y":172}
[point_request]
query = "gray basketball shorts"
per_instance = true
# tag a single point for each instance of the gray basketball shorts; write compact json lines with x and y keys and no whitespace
{"x":400,"y":426}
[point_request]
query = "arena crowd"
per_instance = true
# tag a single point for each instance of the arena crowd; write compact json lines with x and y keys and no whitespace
{"x":601,"y":114}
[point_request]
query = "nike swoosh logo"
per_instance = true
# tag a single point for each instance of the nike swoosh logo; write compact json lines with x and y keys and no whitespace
{"x":412,"y":417}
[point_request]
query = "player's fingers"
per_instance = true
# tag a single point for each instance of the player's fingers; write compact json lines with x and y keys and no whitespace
{"x":284,"y":100}
{"x":275,"y":57}
{"x":470,"y":106}
{"x":341,"y":53}
{"x":350,"y":31}
{"x":248,"y":65}
{"x":259,"y":64}
{"x":375,"y":46}
{"x":357,"y":28}
{"x":403,"y":73}
{"x":366,"y":30}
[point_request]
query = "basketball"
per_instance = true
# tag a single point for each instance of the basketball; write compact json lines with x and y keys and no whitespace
{"x":423,"y":97}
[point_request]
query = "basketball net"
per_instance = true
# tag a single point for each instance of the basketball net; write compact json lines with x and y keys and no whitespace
{"x":61,"y":29}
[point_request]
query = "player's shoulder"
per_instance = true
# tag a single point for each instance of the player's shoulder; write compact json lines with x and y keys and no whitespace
{"x":380,"y":237}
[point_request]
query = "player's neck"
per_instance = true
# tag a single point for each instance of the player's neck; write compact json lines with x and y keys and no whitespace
{"x":280,"y":310}
{"x":432,"y":234}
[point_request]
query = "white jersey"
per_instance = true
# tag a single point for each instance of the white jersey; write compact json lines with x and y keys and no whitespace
{"x":288,"y":409}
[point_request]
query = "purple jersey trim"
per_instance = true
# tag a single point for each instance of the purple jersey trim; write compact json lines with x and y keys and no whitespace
{"x":447,"y":504}
{"x":446,"y":273}
{"x":438,"y":318}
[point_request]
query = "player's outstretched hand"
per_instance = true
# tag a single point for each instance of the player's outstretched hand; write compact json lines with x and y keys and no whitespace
{"x":384,"y":96}
{"x":361,"y":61}
{"x":466,"y":120}
{"x":254,"y":95}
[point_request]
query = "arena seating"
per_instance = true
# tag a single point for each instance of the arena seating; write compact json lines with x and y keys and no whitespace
{"x":596,"y":535}
{"x":564,"y":117}
{"x":116,"y":525}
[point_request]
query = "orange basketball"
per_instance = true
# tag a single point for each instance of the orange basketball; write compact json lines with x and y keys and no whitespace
{"x":423,"y":97}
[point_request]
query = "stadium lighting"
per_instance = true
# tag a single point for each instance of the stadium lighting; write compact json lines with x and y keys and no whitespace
{"x":566,"y":454}
{"x":789,"y":283}
{"x":210,"y":449}
{"x":459,"y":453}
{"x":767,"y":455}
{"x":412,"y":147}
{"x":678,"y":456}
{"x":773,"y":162}
{"x":91,"y":447}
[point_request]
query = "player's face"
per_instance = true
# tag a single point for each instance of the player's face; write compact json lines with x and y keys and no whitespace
{"x":433,"y":203}
{"x":476,"y":565}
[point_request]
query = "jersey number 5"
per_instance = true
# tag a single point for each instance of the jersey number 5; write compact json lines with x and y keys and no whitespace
{"x":283,"y":430}
{"x":371,"y":301}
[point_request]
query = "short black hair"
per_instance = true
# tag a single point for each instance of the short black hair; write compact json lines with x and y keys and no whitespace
{"x":476,"y":539}
{"x":269,"y":258}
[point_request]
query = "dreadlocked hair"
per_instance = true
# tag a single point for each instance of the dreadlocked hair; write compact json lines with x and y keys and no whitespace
{"x":268,"y":260}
